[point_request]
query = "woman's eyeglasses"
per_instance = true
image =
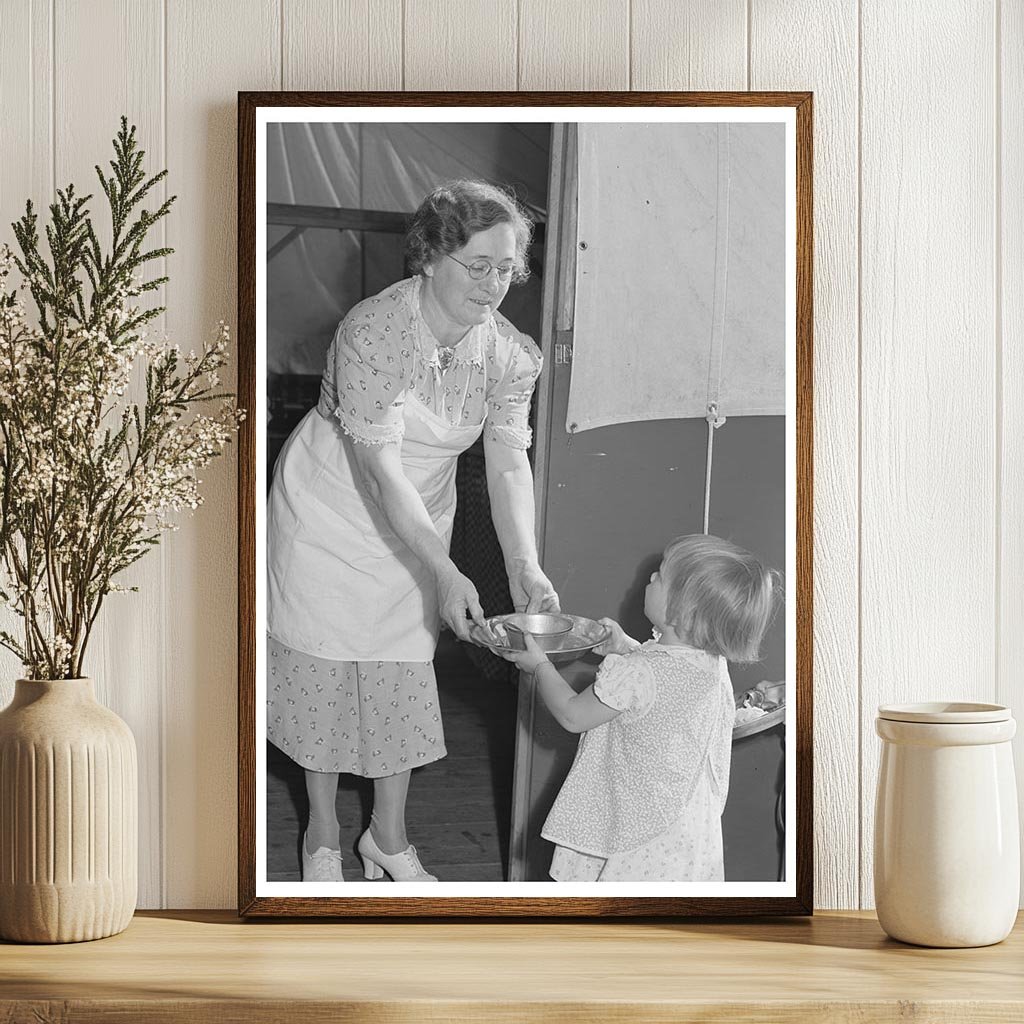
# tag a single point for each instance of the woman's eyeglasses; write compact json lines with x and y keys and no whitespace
{"x":479,"y":269}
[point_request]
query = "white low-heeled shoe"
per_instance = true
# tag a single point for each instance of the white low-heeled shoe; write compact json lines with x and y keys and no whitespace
{"x":322,"y":866}
{"x":402,"y":867}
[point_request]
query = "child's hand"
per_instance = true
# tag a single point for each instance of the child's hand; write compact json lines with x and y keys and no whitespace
{"x":618,"y":642}
{"x":529,"y":659}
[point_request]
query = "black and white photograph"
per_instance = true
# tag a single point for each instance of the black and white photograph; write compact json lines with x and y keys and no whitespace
{"x":525,"y":468}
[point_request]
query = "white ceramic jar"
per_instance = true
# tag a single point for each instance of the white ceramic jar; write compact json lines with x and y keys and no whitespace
{"x":947,"y":847}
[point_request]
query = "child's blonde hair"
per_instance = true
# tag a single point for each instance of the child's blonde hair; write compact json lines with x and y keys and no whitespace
{"x":720,"y":597}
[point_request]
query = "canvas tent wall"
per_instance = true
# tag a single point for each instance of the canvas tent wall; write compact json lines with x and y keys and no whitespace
{"x":316,"y":170}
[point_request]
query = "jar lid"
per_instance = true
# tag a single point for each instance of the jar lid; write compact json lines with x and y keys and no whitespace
{"x":945,"y":712}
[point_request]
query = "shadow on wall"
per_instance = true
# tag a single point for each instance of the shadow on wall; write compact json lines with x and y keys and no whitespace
{"x":610,"y":517}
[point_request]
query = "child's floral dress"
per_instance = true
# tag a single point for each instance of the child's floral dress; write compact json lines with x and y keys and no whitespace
{"x":644,"y":798}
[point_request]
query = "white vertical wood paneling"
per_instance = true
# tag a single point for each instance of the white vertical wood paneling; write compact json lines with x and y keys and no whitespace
{"x":928,"y":515}
{"x":469,"y":45}
{"x":696,"y":44}
{"x":213,"y":51}
{"x":342,"y":44}
{"x":814,"y":46}
{"x":1010,"y":178}
{"x":127,"y":666}
{"x":26,"y":101}
{"x":574,"y":44}
{"x":26,"y":171}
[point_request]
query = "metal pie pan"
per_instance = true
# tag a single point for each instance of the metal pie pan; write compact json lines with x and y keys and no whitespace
{"x":582,"y":638}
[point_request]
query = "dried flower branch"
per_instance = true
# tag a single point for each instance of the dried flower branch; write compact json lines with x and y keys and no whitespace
{"x":89,"y":479}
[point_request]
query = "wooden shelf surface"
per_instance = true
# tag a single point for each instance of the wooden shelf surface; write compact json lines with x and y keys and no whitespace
{"x":201,"y":966}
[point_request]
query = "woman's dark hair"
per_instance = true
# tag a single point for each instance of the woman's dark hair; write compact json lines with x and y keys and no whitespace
{"x":452,"y":213}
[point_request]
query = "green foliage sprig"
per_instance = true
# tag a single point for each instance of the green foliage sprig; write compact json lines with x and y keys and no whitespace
{"x":89,"y":478}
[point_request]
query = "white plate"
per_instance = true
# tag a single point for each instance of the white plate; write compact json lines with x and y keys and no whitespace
{"x":759,"y":724}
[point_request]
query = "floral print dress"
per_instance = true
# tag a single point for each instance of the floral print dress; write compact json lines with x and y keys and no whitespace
{"x":643,"y":800}
{"x":353,"y":617}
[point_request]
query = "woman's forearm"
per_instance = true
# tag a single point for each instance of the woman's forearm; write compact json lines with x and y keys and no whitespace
{"x":510,"y":489}
{"x":392,"y":491}
{"x":394,"y":494}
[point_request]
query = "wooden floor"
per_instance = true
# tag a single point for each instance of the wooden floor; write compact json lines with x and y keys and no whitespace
{"x":459,"y":807}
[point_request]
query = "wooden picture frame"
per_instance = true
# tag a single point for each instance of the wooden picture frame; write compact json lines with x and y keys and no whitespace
{"x":527,"y":895}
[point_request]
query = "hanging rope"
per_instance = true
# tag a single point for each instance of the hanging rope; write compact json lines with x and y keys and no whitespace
{"x":714,"y":422}
{"x":719,"y":308}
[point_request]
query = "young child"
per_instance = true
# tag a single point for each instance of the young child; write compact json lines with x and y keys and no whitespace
{"x":643,"y":800}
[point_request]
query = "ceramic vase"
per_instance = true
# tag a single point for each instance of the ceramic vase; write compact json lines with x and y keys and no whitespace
{"x":68,"y":815}
{"x":947,"y":847}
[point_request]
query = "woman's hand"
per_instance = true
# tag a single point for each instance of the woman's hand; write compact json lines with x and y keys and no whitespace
{"x":510,"y":487}
{"x":531,"y":590}
{"x":618,"y":642}
{"x":530,"y":659}
{"x":456,"y":596}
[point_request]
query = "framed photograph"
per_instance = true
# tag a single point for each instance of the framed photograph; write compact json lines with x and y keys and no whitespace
{"x":525,"y":504}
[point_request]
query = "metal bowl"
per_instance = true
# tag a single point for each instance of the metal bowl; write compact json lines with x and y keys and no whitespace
{"x":547,"y":628}
{"x":583,"y":637}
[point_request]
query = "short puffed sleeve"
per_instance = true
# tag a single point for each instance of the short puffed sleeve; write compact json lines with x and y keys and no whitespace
{"x":510,"y":381}
{"x":372,"y":365}
{"x":625,"y":682}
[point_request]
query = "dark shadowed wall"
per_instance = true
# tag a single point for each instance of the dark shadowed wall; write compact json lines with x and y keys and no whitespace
{"x":615,"y":496}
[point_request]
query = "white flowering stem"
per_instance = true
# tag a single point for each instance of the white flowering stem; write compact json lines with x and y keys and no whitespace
{"x":88,"y":481}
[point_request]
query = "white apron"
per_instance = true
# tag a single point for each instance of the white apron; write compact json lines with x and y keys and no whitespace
{"x":340,"y":584}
